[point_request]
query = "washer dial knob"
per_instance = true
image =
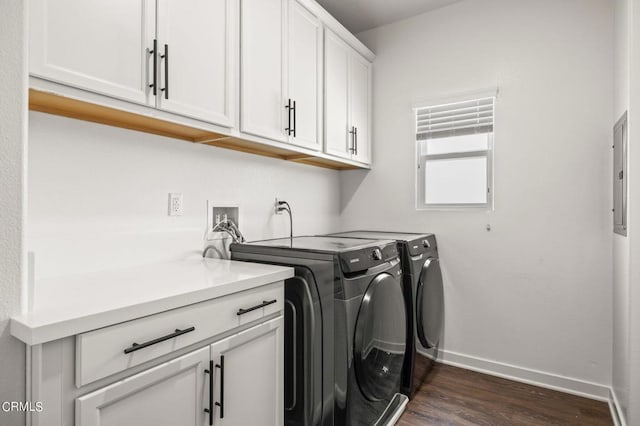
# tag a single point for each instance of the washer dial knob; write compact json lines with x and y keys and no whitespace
{"x":377,"y":254}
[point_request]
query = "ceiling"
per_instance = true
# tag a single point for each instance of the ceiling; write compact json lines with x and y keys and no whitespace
{"x":361,"y":15}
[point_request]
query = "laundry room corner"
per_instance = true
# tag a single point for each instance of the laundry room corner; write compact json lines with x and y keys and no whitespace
{"x":526,"y":283}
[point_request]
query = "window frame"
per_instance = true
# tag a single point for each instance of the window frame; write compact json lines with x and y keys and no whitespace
{"x":421,"y":160}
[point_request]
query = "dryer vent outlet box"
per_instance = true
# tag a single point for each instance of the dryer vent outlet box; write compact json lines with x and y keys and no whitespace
{"x":219,"y":212}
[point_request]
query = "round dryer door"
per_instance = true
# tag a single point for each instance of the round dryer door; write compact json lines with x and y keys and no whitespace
{"x":430,"y":304}
{"x":380,"y":338}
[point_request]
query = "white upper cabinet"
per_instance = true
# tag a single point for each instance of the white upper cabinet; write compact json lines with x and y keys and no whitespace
{"x":98,"y":45}
{"x":347,"y":101}
{"x":107,"y":46}
{"x":360,"y":107}
{"x":305,"y":76}
{"x":336,"y":104}
{"x":280,"y":73}
{"x":195,"y":62}
{"x":262,"y":75}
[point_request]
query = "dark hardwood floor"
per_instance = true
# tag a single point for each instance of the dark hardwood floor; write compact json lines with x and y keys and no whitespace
{"x":454,"y":396}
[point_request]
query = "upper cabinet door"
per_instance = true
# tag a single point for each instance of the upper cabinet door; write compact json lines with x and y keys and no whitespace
{"x":196,"y":58}
{"x":262,"y":87}
{"x":170,"y":394}
{"x":305,"y":76}
{"x":98,"y":45}
{"x":360,"y":104}
{"x":336,"y":107}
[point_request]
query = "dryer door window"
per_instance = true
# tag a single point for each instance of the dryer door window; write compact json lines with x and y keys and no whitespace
{"x":380,"y":338}
{"x":430,"y":304}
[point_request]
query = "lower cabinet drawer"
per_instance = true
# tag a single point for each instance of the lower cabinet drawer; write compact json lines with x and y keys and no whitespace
{"x":106,"y":351}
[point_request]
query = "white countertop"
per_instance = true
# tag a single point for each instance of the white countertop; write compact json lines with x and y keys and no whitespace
{"x":70,"y":305}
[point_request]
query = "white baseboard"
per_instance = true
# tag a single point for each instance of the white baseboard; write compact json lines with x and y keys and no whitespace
{"x":616,"y":410}
{"x":525,"y":375}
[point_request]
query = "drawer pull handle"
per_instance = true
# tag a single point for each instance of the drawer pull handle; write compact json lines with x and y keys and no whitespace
{"x":137,"y":346}
{"x":253,"y":308}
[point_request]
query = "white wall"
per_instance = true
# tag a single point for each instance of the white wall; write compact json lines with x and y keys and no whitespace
{"x":620,"y":364}
{"x":535,"y":292}
{"x":99,"y":195}
{"x":13,"y":109}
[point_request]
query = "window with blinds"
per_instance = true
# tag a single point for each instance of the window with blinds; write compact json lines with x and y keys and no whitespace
{"x":455,"y":154}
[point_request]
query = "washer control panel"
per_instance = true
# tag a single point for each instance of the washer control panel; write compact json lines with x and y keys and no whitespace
{"x":376,"y":254}
{"x":365,"y":258}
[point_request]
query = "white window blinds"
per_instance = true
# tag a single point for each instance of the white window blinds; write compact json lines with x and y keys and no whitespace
{"x":455,"y":119}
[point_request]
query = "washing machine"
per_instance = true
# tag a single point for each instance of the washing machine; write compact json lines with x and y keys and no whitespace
{"x":345,"y":328}
{"x":424,"y":297}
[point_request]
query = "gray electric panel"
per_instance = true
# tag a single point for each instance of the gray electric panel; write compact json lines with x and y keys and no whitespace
{"x":620,"y":176}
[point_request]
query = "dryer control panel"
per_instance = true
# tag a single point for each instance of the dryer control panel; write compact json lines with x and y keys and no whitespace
{"x":423,"y":244}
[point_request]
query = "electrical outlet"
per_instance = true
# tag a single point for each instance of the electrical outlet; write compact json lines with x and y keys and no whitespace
{"x":175,"y":205}
{"x":278,"y":211}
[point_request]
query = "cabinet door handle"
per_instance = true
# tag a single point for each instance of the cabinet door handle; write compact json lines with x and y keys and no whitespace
{"x":137,"y":346}
{"x":221,"y":403}
{"x":209,"y":410}
{"x":352,"y":132}
{"x":355,"y":141}
{"x":264,"y":303}
{"x":295,"y":124}
{"x":154,"y":52}
{"x":165,"y":89}
{"x":288,"y":107}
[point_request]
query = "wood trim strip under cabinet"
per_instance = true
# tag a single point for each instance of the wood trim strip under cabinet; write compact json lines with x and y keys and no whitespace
{"x":64,"y":106}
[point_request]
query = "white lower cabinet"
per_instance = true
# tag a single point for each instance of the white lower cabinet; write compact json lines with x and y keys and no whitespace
{"x":249,"y":381}
{"x":169,"y":394}
{"x":235,"y":381}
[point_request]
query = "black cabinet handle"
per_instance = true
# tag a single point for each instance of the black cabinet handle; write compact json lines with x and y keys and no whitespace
{"x":295,"y":124}
{"x":166,"y":71}
{"x":209,"y":410}
{"x":154,"y":52}
{"x":352,"y":132}
{"x":137,"y":346}
{"x":253,"y":308}
{"x":288,"y":107}
{"x":355,"y":139}
{"x":221,"y":403}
